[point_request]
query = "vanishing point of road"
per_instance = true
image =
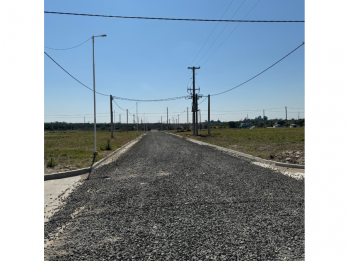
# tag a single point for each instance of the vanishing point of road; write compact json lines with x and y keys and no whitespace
{"x":171,"y":199}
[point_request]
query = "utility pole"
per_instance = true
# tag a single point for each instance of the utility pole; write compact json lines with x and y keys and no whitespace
{"x":200,"y":119}
{"x":196,"y":127}
{"x":127,"y":121}
{"x":111,"y":116}
{"x":194,"y":100}
{"x":209,"y":114}
{"x":167,"y":120}
{"x":264,"y":118}
{"x":137,"y":118}
{"x":187,"y":115}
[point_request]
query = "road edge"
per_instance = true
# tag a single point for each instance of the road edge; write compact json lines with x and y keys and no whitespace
{"x":269,"y":162}
{"x":77,"y":172}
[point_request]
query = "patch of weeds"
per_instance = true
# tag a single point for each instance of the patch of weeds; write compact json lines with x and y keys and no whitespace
{"x":51,"y":163}
{"x":101,"y":148}
{"x":108,"y":145}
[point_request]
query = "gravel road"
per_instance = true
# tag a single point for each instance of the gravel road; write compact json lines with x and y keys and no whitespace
{"x":170,"y":199}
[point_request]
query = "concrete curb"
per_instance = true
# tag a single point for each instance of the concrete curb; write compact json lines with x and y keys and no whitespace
{"x":269,"y":162}
{"x":77,"y":172}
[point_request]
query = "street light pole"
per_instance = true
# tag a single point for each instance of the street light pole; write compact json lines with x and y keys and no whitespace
{"x":95,"y":124}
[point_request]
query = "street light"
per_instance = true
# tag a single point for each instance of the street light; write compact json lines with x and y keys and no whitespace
{"x":95,"y":125}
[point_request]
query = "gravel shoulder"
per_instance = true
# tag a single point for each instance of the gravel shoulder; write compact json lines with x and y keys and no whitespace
{"x":171,"y":199}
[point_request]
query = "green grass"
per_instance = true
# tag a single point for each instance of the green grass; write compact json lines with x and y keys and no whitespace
{"x":75,"y":148}
{"x":259,"y":142}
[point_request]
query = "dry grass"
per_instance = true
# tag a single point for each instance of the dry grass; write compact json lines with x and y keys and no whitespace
{"x":259,"y":142}
{"x":75,"y":148}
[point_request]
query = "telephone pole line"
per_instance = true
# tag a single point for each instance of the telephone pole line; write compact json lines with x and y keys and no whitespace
{"x":263,"y":118}
{"x":137,"y":118}
{"x":187,"y":115}
{"x":111,"y":116}
{"x":194,"y":101}
{"x":209,"y":114}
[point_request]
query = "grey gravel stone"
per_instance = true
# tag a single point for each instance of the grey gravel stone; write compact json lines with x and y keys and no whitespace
{"x":170,"y":199}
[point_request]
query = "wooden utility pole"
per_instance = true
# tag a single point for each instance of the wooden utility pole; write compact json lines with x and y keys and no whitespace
{"x":194,"y":101}
{"x":209,"y":114}
{"x":111,"y":118}
{"x":196,"y":127}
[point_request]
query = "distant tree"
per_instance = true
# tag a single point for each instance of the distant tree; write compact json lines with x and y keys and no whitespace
{"x":232,"y":124}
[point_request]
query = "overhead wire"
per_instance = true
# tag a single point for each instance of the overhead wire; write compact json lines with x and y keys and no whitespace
{"x":115,"y":97}
{"x":259,"y":73}
{"x":73,"y":76}
{"x":220,"y":32}
{"x":230,"y":34}
{"x":69,"y":47}
{"x":118,"y":105}
{"x":173,"y":104}
{"x":202,"y":101}
{"x":177,"y":19}
{"x":212,"y":32}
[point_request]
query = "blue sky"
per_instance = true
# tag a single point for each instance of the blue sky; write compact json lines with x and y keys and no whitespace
{"x":148,"y":59}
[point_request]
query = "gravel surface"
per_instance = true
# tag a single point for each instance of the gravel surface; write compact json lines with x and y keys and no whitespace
{"x":171,"y":199}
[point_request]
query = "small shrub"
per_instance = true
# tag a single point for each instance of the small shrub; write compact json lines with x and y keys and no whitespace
{"x":51,"y":163}
{"x":108,"y":145}
{"x":101,"y":148}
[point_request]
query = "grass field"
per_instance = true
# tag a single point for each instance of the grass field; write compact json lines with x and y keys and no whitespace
{"x":75,"y":148}
{"x":259,"y":142}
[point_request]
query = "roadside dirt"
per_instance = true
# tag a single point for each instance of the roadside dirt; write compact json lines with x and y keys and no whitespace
{"x":290,"y":156}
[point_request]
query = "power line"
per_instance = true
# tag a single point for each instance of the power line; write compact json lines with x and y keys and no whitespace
{"x":73,"y":76}
{"x":167,"y":99}
{"x":220,"y":33}
{"x":203,"y":100}
{"x":118,"y":105}
{"x":229,"y":34}
{"x":177,"y":19}
{"x":70,"y":47}
{"x":115,"y":97}
{"x":259,"y":73}
{"x":211,"y":32}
